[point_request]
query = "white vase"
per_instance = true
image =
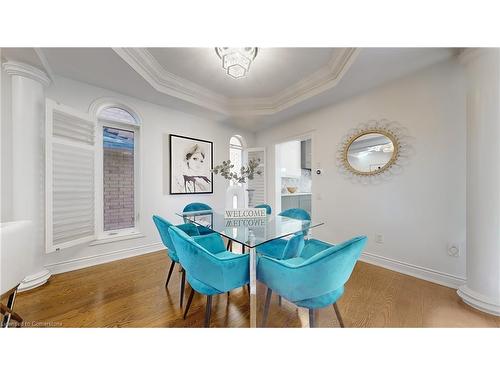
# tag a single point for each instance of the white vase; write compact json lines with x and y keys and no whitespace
{"x":235,"y":197}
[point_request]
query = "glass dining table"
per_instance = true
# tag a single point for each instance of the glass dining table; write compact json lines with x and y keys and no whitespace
{"x":249,"y":233}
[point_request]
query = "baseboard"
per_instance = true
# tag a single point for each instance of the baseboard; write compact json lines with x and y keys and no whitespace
{"x":78,"y":263}
{"x":419,"y":272}
{"x":34,"y":281}
{"x":479,"y":301}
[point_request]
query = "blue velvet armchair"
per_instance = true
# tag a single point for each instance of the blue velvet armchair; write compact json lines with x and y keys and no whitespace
{"x":267,"y":207}
{"x":276,"y":248}
{"x":190,"y":229}
{"x":296,"y":213}
{"x":210,"y":268}
{"x":198,"y":206}
{"x":312,"y":282}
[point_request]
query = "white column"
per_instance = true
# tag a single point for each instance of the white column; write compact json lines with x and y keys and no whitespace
{"x":28,"y":168}
{"x":482,"y":290}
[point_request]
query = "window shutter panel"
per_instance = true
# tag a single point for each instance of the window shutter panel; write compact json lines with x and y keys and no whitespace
{"x":258,"y":184}
{"x":70,"y":150}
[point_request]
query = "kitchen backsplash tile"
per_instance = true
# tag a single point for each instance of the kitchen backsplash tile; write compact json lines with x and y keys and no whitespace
{"x":303,"y":183}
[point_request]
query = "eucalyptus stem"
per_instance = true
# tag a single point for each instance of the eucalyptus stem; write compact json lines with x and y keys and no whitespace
{"x":245,"y":173}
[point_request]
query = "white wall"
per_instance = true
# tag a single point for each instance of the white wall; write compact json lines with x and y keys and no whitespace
{"x":157,"y":121}
{"x":418,"y":212}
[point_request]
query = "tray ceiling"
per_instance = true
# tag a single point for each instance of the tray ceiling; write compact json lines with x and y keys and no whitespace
{"x":282,"y":82}
{"x":273,"y":70}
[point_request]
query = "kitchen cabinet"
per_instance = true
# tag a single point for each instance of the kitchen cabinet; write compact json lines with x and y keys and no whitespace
{"x":290,"y":159}
{"x":305,"y":202}
{"x":296,"y":201}
{"x":305,"y":154}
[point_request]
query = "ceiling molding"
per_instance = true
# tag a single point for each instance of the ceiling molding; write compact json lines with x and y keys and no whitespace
{"x":25,"y":70}
{"x":316,"y":83}
{"x":45,"y":63}
{"x":165,"y":82}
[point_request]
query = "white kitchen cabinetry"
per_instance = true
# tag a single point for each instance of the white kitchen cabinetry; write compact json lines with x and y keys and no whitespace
{"x":296,"y":201}
{"x":290,"y":159}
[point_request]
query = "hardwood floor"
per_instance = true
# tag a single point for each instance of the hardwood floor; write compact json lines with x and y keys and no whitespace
{"x":131,"y":293}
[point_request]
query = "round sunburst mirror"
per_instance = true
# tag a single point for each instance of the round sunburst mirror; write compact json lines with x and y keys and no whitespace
{"x":373,"y":151}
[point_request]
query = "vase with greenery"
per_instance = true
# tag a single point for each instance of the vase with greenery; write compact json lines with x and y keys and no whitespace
{"x":238,"y":178}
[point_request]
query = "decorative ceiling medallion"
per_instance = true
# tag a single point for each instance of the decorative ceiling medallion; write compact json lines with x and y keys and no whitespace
{"x":374,"y":151}
{"x":236,"y":61}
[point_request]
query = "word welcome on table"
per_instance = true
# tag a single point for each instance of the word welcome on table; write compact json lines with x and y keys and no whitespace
{"x":245,"y":213}
{"x":257,"y":222}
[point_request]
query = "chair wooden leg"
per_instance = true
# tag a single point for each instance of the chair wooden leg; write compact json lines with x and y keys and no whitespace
{"x":208,"y":311}
{"x":190,"y":299}
{"x":183,"y":284}
{"x":311,"y":318}
{"x":266,"y":306}
{"x":170,"y":273}
{"x":339,"y":317}
{"x":279,"y":300}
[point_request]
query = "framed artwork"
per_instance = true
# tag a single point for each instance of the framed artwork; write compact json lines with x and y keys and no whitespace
{"x":191,"y":161}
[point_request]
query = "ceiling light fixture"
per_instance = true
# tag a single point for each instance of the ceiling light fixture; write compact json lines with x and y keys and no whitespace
{"x":236,"y":61}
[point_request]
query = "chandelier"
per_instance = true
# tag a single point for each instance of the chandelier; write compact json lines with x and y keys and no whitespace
{"x":236,"y":61}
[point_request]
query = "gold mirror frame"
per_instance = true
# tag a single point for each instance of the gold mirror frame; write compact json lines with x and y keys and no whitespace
{"x":388,"y":165}
{"x":400,"y":156}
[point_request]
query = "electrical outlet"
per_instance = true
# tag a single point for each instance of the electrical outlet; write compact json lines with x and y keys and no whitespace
{"x":379,"y":238}
{"x":453,"y":250}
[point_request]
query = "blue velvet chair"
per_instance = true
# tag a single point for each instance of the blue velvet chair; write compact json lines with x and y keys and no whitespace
{"x":314,"y":282}
{"x":296,"y":213}
{"x":210,"y":268}
{"x":268,"y":208}
{"x":198,"y":206}
{"x":276,"y":248}
{"x":190,"y":229}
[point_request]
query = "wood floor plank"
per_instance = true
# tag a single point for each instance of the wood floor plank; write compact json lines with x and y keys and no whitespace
{"x":131,"y":293}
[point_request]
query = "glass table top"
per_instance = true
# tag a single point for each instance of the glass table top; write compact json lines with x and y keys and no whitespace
{"x":249,"y":232}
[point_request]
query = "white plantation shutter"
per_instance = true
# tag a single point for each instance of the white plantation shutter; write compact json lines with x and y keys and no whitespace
{"x":70,"y":149}
{"x":258,"y":184}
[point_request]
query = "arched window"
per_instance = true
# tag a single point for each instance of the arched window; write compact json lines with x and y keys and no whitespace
{"x":120,"y":132}
{"x":236,"y":152}
{"x":117,"y":114}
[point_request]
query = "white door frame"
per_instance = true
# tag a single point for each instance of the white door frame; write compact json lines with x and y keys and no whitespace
{"x":277,"y":170}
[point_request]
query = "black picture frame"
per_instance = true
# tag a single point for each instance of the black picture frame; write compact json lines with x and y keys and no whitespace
{"x":173,"y":154}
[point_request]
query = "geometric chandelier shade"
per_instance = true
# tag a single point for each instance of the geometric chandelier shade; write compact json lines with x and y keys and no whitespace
{"x":236,"y":61}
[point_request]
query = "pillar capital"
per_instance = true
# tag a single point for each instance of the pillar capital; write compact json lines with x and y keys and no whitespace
{"x":25,"y":70}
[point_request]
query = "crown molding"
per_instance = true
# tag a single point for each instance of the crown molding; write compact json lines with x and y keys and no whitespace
{"x":21,"y":69}
{"x":165,"y":82}
{"x":45,"y":63}
{"x":322,"y":80}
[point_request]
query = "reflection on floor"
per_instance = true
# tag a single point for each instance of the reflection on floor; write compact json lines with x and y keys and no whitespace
{"x":131,"y":293}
